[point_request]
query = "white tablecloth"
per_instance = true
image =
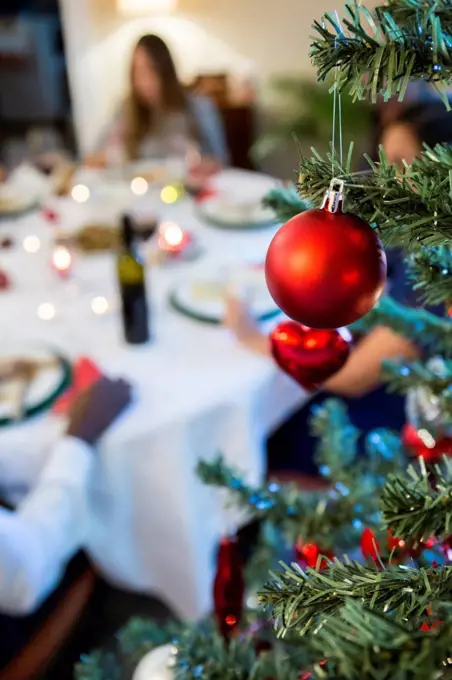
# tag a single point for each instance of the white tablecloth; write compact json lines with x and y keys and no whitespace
{"x":198,"y":393}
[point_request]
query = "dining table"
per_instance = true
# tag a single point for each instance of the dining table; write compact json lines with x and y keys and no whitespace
{"x":197,"y":392}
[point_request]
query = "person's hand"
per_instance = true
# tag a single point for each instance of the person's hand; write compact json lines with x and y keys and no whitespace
{"x":240,"y":321}
{"x":96,"y":161}
{"x":97,"y":408}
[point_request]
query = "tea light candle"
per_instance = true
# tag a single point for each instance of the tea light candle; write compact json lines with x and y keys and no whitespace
{"x":62,"y":261}
{"x":80,"y":193}
{"x":46,"y":311}
{"x":99,"y":305}
{"x":139,"y":186}
{"x":31,"y":244}
{"x":171,"y":194}
{"x":172,"y":240}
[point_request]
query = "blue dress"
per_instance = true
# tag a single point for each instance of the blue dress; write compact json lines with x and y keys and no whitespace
{"x":292,"y":447}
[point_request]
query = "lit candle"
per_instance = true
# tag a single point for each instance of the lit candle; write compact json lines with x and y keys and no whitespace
{"x":99,"y":305}
{"x":80,"y":193}
{"x":171,"y":193}
{"x":46,"y":311}
{"x":62,"y":261}
{"x":31,"y":244}
{"x":139,"y":186}
{"x":172,"y":240}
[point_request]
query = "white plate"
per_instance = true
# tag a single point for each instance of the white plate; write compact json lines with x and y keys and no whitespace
{"x":236,"y":214}
{"x":41,"y":388}
{"x":202,"y":297}
{"x":14,"y":202}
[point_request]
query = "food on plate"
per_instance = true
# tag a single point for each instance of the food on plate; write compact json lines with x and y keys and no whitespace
{"x":10,"y":203}
{"x":16,"y":377}
{"x":207,"y":290}
{"x":93,"y":238}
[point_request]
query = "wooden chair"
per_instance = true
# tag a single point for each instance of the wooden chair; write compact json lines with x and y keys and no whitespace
{"x":58,"y":623}
{"x":238,"y":116}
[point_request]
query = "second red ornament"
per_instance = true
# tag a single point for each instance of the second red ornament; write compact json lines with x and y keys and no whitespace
{"x":326,"y":268}
{"x":310,"y":356}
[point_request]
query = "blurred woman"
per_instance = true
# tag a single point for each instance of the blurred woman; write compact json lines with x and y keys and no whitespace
{"x":291,"y":448}
{"x":159,"y":117}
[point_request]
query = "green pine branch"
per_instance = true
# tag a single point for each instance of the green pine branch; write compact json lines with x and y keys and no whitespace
{"x":430,"y":270}
{"x":204,"y":655}
{"x":363,"y":645}
{"x":285,"y":202}
{"x":323,"y":519}
{"x":410,"y":207}
{"x":418,"y":325}
{"x":331,"y":518}
{"x":415,"y":510}
{"x":401,"y":377}
{"x":300,"y":599}
{"x":379,"y":52}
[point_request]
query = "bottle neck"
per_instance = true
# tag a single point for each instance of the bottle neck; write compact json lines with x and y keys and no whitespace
{"x":127,"y":234}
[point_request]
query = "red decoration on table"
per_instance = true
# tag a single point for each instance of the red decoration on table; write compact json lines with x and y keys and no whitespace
{"x":370,"y":547}
{"x":326,"y":268}
{"x":50,"y":215}
{"x":307,"y":555}
{"x":84,"y":374}
{"x":310,"y":356}
{"x":204,"y":194}
{"x":418,"y":447}
{"x":62,"y":261}
{"x":5,"y":281}
{"x":229,"y":587}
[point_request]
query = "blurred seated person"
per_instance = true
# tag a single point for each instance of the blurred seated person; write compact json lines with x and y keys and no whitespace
{"x":358,"y":383}
{"x":41,"y":536}
{"x":159,"y":118}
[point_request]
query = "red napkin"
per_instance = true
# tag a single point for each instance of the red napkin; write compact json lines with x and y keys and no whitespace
{"x":204,"y":194}
{"x":84,"y":374}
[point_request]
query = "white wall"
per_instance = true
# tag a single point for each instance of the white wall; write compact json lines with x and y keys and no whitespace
{"x":256,"y":37}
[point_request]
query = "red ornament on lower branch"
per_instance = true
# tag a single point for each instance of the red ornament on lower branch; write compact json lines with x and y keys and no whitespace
{"x":421,"y":444}
{"x":229,"y":587}
{"x":310,"y":356}
{"x":310,"y":555}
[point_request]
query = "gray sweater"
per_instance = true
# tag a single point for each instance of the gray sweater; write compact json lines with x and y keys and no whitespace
{"x":172,"y":134}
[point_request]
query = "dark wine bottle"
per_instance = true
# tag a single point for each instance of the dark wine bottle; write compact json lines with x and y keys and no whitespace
{"x":132,"y":286}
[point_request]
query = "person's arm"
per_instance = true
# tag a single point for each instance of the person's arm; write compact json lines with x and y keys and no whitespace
{"x":39,"y":538}
{"x":362,"y":372}
{"x":210,"y":127}
{"x":111,"y":147}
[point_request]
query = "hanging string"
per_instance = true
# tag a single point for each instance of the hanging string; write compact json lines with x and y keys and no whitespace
{"x":337,"y":114}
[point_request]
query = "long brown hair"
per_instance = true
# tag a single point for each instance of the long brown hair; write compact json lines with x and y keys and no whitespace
{"x":140,"y":119}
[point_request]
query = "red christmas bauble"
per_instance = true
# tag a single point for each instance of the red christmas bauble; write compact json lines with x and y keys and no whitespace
{"x":309,"y":355}
{"x":369,"y":544}
{"x":307,"y":555}
{"x":229,"y":587}
{"x":325,"y":269}
{"x":430,"y":450}
{"x":5,"y":282}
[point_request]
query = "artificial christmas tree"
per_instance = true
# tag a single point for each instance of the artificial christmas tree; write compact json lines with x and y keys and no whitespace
{"x":387,"y":615}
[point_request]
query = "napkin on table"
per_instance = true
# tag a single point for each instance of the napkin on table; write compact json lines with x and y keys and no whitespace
{"x":85,"y":374}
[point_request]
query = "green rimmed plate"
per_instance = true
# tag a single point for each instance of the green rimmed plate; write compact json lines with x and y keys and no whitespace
{"x":48,"y":386}
{"x":236,"y":216}
{"x":202,"y":297}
